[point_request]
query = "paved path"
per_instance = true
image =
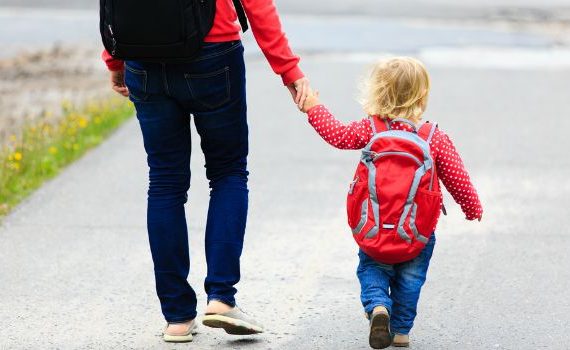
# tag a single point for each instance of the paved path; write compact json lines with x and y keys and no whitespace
{"x":76,"y":271}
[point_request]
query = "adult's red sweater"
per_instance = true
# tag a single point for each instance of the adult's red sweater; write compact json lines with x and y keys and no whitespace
{"x":266,"y":27}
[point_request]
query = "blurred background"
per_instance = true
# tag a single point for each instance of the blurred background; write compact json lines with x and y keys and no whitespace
{"x":75,"y":267}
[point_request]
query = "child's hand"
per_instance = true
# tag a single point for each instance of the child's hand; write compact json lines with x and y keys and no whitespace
{"x":311,"y":101}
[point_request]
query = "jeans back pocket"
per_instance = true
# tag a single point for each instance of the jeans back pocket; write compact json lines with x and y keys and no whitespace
{"x":136,"y":80}
{"x":210,"y":90}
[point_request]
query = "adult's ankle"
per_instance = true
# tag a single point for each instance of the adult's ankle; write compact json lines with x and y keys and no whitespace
{"x":216,"y":306}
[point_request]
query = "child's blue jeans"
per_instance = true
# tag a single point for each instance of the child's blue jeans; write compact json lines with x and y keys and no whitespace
{"x":396,"y":287}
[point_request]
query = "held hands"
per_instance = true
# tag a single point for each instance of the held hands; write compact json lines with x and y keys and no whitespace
{"x":311,"y":101}
{"x":118,"y":82}
{"x":299,"y":90}
{"x":303,"y":95}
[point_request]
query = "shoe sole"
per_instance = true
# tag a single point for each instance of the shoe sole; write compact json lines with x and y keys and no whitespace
{"x":401,"y":345}
{"x":177,"y":338}
{"x":180,"y":338}
{"x":380,"y":337}
{"x":231,"y":325}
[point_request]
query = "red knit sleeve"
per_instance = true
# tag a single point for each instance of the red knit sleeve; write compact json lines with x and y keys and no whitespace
{"x":454,"y":176}
{"x":113,"y":64}
{"x":355,"y":135}
{"x":266,"y":28}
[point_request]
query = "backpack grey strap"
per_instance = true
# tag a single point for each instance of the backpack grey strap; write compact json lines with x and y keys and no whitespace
{"x":427,"y":130}
{"x":377,"y":128}
{"x":432,"y":131}
{"x":373,"y":125}
{"x":405,"y":121}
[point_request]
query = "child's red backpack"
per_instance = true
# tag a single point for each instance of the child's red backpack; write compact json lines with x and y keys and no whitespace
{"x":394,"y":201}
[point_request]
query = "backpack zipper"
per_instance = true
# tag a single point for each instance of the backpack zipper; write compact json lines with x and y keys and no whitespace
{"x":376,"y":156}
{"x":352,"y":185}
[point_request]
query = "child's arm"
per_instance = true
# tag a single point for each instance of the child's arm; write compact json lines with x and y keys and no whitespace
{"x":452,"y":172}
{"x":355,"y":135}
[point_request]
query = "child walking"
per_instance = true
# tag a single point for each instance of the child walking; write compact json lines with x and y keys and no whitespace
{"x":393,"y":211}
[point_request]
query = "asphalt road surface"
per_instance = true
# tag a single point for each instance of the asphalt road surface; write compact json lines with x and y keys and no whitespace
{"x":76,"y":272}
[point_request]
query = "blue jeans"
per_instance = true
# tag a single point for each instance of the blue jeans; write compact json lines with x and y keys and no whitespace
{"x":212,"y":89}
{"x":396,"y":287}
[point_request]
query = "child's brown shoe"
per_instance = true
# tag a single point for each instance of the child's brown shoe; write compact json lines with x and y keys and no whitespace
{"x":380,"y":337}
{"x":401,"y":340}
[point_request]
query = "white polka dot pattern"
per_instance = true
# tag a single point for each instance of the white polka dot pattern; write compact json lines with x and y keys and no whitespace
{"x":450,"y":168}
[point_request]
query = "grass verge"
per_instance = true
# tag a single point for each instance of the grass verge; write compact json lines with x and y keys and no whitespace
{"x":46,"y":147}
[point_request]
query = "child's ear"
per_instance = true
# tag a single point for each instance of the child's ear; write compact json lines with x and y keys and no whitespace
{"x":423,"y":103}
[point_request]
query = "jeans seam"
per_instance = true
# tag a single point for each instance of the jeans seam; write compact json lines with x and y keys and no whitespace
{"x":222,"y":299}
{"x":216,"y":54}
{"x":226,"y":71}
{"x":400,"y":330}
{"x":376,"y":305}
{"x":165,"y":80}
{"x":144,"y":88}
{"x":182,"y":319}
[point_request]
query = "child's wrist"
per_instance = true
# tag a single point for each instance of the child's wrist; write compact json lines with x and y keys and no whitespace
{"x":313,"y":107}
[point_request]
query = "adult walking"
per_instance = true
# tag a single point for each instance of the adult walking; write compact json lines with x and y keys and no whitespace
{"x":203,"y":75}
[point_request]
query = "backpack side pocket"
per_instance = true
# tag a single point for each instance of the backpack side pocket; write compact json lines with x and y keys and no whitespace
{"x":357,"y":205}
{"x":428,"y":209}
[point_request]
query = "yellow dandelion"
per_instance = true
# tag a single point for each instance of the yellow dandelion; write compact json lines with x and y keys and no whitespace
{"x":18,"y":156}
{"x":83,"y":122}
{"x":52,"y":150}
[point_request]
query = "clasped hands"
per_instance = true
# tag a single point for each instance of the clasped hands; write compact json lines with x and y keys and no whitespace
{"x":303,"y":96}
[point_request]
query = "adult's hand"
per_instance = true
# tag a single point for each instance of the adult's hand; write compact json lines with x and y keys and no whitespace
{"x":299,"y":90}
{"x":118,"y":82}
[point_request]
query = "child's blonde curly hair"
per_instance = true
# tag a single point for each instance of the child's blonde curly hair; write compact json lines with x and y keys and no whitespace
{"x":397,"y":88}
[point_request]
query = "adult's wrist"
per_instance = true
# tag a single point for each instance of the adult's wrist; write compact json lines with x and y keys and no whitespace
{"x":292,"y":75}
{"x":115,"y":65}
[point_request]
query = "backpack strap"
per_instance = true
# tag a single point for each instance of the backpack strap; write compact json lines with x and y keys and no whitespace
{"x":427,"y":131}
{"x":241,"y":15}
{"x":405,"y":121}
{"x":378,"y":125}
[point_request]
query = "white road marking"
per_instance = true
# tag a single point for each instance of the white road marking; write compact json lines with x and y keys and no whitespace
{"x":498,"y":58}
{"x":472,"y":57}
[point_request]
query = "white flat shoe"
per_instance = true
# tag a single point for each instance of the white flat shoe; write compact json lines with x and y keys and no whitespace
{"x":234,"y":322}
{"x":184,"y":336}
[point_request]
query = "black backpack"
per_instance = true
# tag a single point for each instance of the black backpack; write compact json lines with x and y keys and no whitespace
{"x":158,"y":30}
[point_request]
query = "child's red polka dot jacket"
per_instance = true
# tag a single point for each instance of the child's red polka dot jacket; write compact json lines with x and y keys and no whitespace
{"x":450,"y":168}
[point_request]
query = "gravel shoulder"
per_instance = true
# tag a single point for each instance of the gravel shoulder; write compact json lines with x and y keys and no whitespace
{"x":33,"y":85}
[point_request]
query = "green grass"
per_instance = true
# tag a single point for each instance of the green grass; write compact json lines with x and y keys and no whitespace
{"x":46,"y":147}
